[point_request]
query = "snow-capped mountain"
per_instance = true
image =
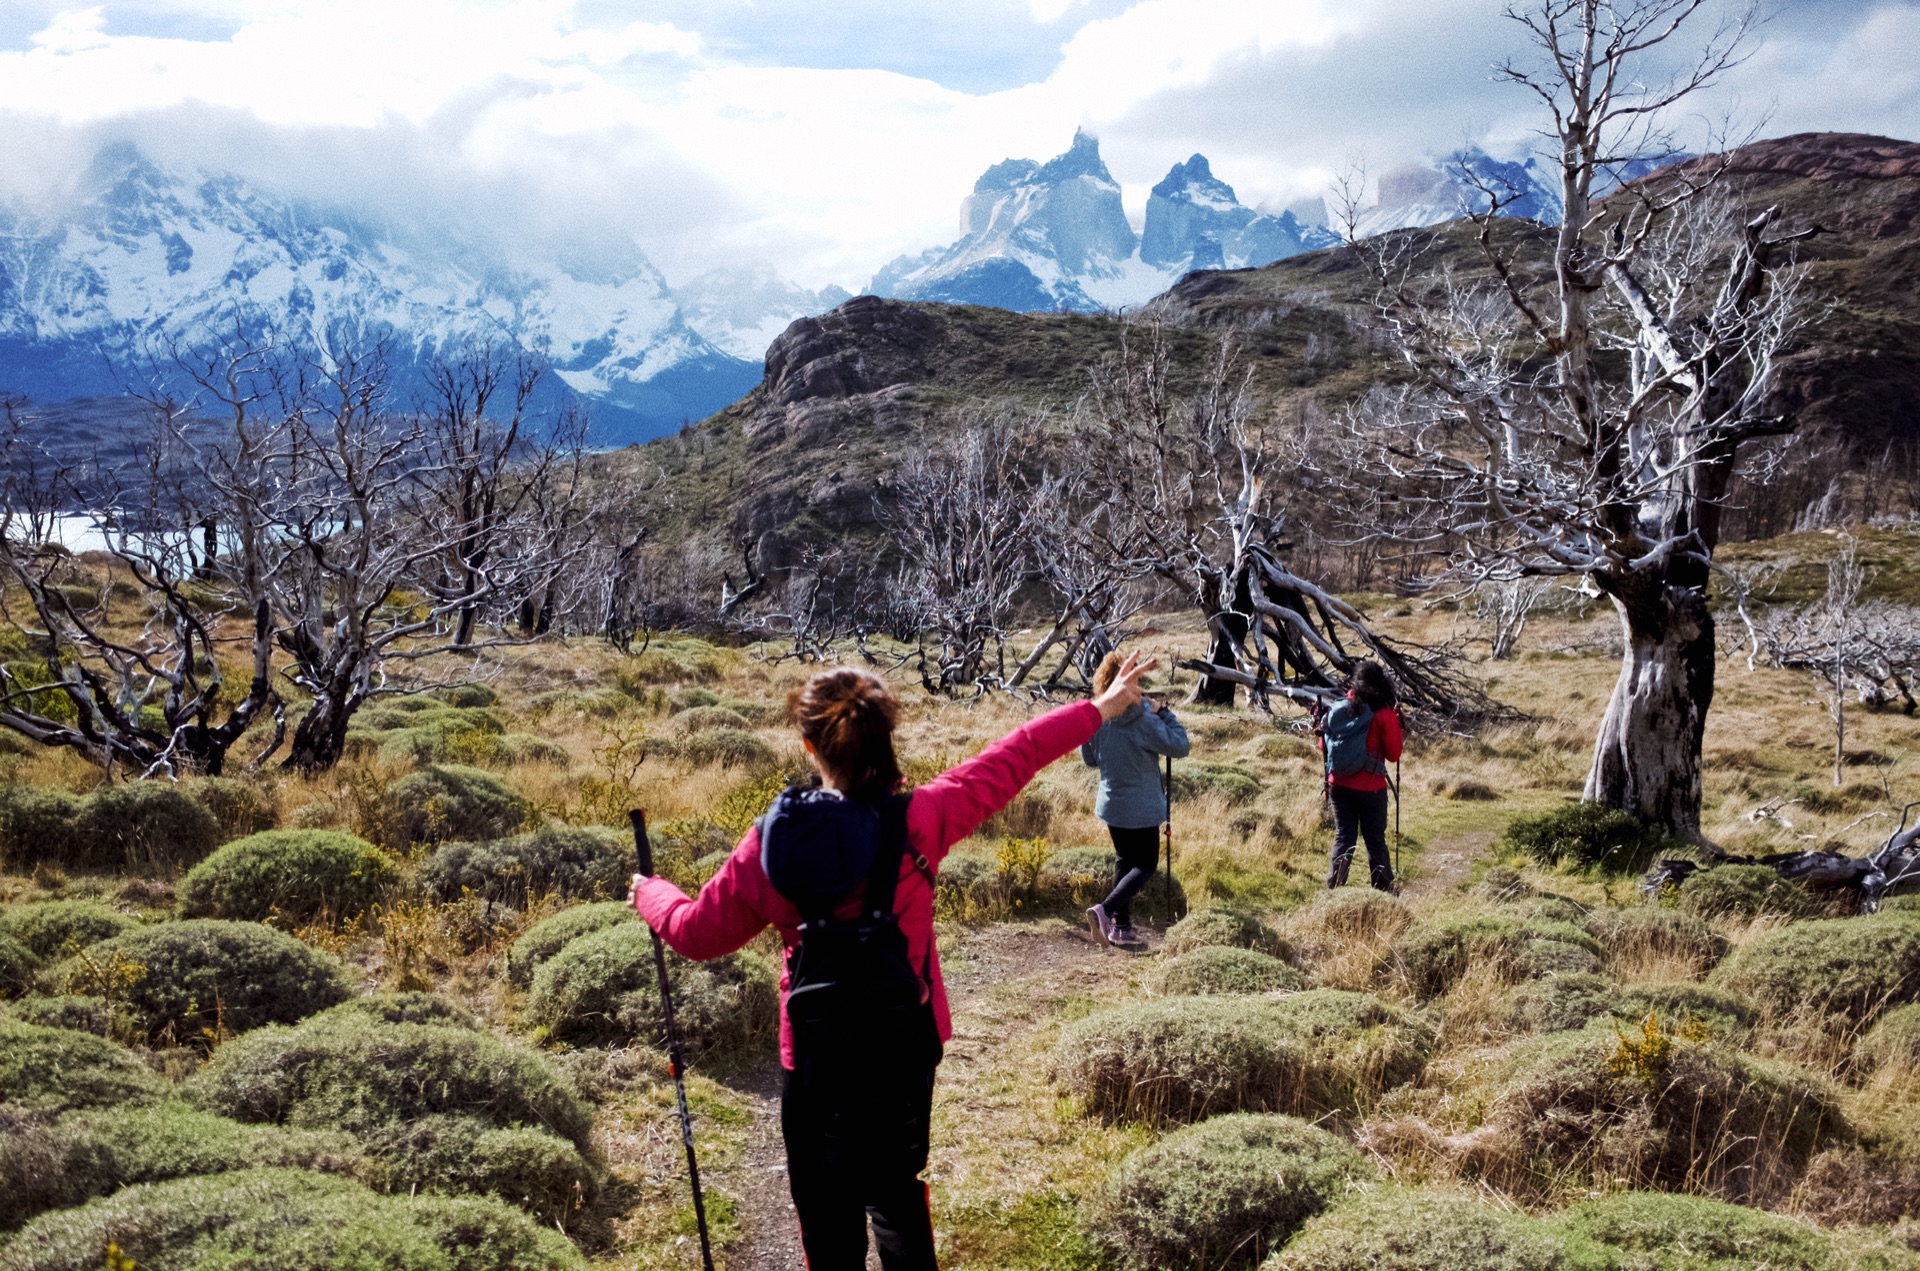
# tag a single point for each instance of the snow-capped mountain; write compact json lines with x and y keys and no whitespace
{"x":1044,"y":236}
{"x":740,"y":311}
{"x":1195,"y":222}
{"x":147,"y":259}
{"x":1470,"y":180}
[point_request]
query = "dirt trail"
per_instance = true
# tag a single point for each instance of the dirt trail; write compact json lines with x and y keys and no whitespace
{"x":1445,"y":863}
{"x":1002,"y":981}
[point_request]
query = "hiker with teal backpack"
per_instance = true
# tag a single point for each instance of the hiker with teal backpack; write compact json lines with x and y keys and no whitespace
{"x":1359,"y":737}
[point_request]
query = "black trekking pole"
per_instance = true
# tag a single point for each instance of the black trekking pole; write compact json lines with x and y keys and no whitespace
{"x":1166,"y":787}
{"x":1396,"y":819}
{"x":644,"y":850}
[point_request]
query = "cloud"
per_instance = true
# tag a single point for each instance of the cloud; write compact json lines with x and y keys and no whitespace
{"x":823,"y":141}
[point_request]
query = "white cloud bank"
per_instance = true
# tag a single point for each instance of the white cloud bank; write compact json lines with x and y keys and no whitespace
{"x":542,"y":122}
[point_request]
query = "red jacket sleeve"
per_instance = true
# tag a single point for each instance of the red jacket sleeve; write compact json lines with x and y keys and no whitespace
{"x":1387,"y":739}
{"x":731,"y":910}
{"x":953,"y":804}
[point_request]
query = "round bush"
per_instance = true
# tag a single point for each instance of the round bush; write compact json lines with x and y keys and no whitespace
{"x":1562,"y":1002}
{"x":1691,"y":1233}
{"x":1590,"y":837}
{"x":1220,"y":1194}
{"x":55,"y":1069}
{"x":17,"y":966}
{"x":1345,"y":917}
{"x":359,"y":1074}
{"x":1745,"y":891}
{"x":81,"y":1014}
{"x":49,"y":1164}
{"x":603,"y":987}
{"x":144,"y":825}
{"x":700,"y":719}
{"x":1650,"y":1109}
{"x":729,"y":747}
{"x":1075,"y":877}
{"x":238,"y":807}
{"x":1389,"y":1228}
{"x":1229,"y":928}
{"x":1557,"y":1003}
{"x":1831,"y":972}
{"x":1213,"y":969}
{"x":1185,"y":1059}
{"x":55,"y":928}
{"x":1647,"y":933}
{"x":524,"y":1166}
{"x":454,"y":802}
{"x":588,"y":863}
{"x":289,"y":1218}
{"x":1892,"y":1050}
{"x":1234,"y":783}
{"x":550,"y":935}
{"x":1683,"y":1004}
{"x":182,"y":981}
{"x":295,"y":875}
{"x":1435,"y":952}
{"x":519,"y":748}
{"x":39,"y":825}
{"x":403,"y":1008}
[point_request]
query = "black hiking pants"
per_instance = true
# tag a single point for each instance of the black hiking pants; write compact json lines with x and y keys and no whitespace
{"x":856,"y":1143}
{"x":1136,"y":854}
{"x":1357,"y":814}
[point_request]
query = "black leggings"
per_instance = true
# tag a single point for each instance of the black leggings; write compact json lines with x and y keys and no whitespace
{"x":856,"y":1144}
{"x":1358,"y":813}
{"x":1136,"y":856}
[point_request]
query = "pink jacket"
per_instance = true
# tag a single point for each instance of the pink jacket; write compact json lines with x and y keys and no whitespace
{"x":738,"y":901}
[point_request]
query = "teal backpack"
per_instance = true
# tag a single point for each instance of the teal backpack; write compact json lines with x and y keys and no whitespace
{"x":1345,"y":736}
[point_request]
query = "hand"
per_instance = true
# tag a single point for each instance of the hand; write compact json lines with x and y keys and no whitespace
{"x":633,"y":893}
{"x":1125,"y":689}
{"x":1153,"y":707}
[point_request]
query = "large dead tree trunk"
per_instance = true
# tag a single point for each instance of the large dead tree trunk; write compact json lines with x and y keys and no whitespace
{"x":1646,"y":756}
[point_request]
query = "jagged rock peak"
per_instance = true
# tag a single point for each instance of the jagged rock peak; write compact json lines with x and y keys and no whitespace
{"x":1082,"y":159}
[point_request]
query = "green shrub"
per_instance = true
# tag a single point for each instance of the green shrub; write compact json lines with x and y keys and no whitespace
{"x":1558,"y":1003}
{"x":1687,"y":1006}
{"x":1642,"y":1106}
{"x":189,"y":980}
{"x":1228,"y":928}
{"x":1555,"y":909}
{"x":1892,"y":1050}
{"x":1192,"y":779}
{"x":237,"y":806}
{"x":1390,"y":1228}
{"x":700,"y":719}
{"x":452,"y":802}
{"x":48,"y":1164}
{"x":17,"y":966}
{"x":55,"y":1069}
{"x":1590,"y":837}
{"x":403,"y":1008}
{"x":1346,"y":915}
{"x":469,"y":695}
{"x":1834,"y":972}
{"x":143,"y":825}
{"x":1692,"y":1233}
{"x":1185,"y":1059}
{"x":603,"y":987}
{"x":550,"y":935}
{"x":1075,"y":877}
{"x":81,"y":1014}
{"x":573,"y":863}
{"x":1502,"y":886}
{"x":729,"y":747}
{"x":1745,"y":891}
{"x":1562,"y":1002}
{"x":1213,"y":969}
{"x":1220,"y":1194}
{"x":1649,"y":933}
{"x":39,"y":825}
{"x":295,"y":875}
{"x":524,"y":1166}
{"x":1435,"y":952}
{"x":289,"y":1218}
{"x":519,"y":748}
{"x":53,"y":928}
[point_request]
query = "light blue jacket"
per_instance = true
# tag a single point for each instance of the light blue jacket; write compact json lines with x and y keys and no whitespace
{"x":1127,"y":752}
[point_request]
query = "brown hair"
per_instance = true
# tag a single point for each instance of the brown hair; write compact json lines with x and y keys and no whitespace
{"x":1109,"y":667}
{"x":1371,"y":685}
{"x":848,"y":715}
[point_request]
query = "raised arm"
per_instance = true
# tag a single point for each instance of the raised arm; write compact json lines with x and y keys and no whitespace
{"x":953,"y":804}
{"x":729,"y":912}
{"x":1169,"y":734}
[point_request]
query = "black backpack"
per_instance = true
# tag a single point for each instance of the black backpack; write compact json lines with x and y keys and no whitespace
{"x":854,"y":999}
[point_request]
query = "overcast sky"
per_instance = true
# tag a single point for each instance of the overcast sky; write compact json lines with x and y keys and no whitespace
{"x":820,"y":137}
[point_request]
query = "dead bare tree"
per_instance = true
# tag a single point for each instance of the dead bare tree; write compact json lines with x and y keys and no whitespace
{"x":1583,"y":410}
{"x":1193,"y":486}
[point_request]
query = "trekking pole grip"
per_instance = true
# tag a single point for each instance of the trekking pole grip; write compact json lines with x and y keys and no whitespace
{"x":642,"y":846}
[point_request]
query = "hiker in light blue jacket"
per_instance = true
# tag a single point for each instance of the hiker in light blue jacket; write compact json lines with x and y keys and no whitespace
{"x":1127,"y":752}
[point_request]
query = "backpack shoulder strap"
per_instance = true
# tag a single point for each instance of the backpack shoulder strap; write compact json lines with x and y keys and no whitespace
{"x":885,"y":875}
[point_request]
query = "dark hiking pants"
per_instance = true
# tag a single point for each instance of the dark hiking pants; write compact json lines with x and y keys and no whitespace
{"x":1136,"y":856}
{"x":1357,"y":814}
{"x":856,"y":1144}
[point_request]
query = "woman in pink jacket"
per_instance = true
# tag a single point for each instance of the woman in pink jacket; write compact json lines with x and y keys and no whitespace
{"x":856,"y":1125}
